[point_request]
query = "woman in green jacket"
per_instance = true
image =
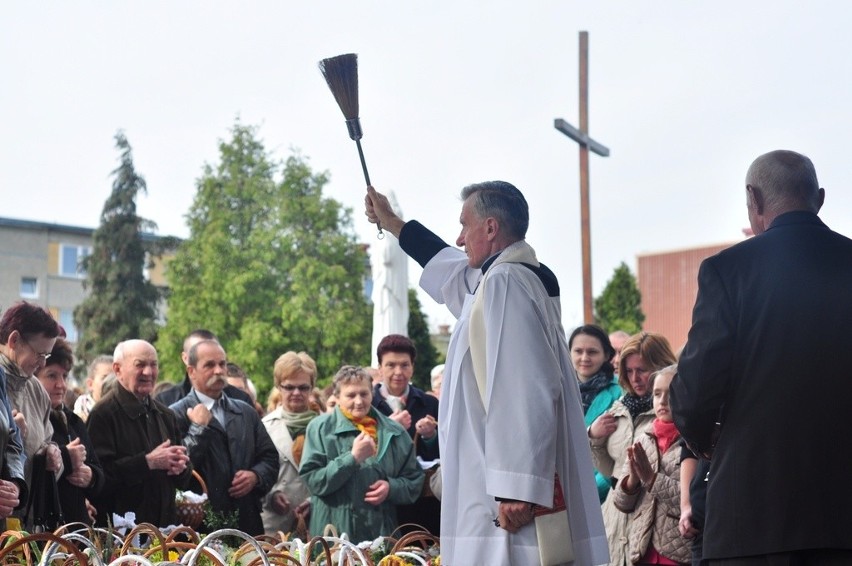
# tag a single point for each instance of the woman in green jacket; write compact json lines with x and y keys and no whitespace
{"x":358,"y":464}
{"x":591,"y":354}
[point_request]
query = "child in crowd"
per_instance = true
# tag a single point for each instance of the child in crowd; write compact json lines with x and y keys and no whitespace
{"x":650,"y":485}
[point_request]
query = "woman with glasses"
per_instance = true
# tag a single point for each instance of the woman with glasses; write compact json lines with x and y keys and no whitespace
{"x":83,"y":477}
{"x":27,"y":335}
{"x":619,"y":427}
{"x":358,"y":464}
{"x":289,"y":500}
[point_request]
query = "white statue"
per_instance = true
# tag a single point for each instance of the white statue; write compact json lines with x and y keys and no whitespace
{"x":390,"y":286}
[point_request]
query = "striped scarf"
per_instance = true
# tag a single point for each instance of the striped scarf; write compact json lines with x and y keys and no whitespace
{"x":364,"y":424}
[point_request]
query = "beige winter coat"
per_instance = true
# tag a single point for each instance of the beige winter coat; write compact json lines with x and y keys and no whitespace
{"x":654,"y":513}
{"x":609,"y":455}
{"x":289,"y":482}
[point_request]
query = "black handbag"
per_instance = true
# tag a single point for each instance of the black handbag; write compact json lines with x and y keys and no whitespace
{"x":43,"y":507}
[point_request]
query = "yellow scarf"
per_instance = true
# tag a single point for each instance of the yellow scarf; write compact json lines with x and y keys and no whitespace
{"x":364,"y":424}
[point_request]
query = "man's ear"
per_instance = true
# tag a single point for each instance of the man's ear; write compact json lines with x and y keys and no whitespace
{"x":820,"y":199}
{"x":14,"y":338}
{"x":756,"y":200}
{"x":492,"y":228}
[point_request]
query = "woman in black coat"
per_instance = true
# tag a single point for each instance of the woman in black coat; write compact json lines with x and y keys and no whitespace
{"x":83,"y":476}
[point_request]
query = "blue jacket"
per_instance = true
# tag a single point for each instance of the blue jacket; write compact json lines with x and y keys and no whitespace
{"x":600,"y":404}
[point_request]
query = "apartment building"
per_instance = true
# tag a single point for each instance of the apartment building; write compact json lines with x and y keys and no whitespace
{"x":40,"y":262}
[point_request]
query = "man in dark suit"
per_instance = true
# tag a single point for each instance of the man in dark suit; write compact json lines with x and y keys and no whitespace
{"x":763,"y":387}
{"x":226,"y":441}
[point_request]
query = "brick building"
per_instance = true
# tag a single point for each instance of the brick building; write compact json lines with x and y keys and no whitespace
{"x":668,"y":282}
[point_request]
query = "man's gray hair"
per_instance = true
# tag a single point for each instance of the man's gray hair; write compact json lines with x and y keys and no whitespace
{"x":118,"y":355}
{"x":192,"y":355}
{"x":787,"y":180}
{"x":502,"y":201}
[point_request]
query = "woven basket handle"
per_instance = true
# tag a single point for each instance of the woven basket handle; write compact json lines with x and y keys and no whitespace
{"x":200,"y":481}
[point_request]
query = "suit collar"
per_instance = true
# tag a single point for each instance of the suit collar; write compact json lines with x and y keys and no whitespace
{"x":796,"y":217}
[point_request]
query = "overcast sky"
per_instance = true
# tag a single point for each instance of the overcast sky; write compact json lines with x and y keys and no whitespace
{"x":685,"y":95}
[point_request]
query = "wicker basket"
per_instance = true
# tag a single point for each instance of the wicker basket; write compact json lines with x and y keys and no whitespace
{"x":192,"y":514}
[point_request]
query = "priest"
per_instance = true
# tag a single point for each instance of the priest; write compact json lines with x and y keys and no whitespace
{"x":512,"y":434}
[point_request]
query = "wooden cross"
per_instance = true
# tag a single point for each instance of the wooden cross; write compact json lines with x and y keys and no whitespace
{"x":586,"y":143}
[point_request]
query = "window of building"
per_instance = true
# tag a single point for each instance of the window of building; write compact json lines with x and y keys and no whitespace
{"x":71,"y":260}
{"x":66,"y":319}
{"x":29,"y":287}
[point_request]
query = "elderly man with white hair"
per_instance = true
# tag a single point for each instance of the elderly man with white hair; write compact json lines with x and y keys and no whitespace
{"x":137,"y":442}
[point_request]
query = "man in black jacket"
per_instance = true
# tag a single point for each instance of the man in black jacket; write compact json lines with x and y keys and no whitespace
{"x":137,"y":442}
{"x":226,"y":441}
{"x":763,"y":387}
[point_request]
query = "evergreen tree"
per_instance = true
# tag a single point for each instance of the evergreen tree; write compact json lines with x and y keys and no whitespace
{"x":269,"y":266}
{"x":619,"y":305}
{"x":121,"y":303}
{"x":418,"y":332}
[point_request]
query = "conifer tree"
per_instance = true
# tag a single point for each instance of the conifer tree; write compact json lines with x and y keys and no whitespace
{"x":418,"y":332}
{"x":619,"y":305}
{"x":120,"y":303}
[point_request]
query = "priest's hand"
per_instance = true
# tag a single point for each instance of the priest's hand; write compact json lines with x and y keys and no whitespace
{"x":377,"y":493}
{"x":363,"y":447}
{"x":379,"y":211}
{"x":515,"y":514}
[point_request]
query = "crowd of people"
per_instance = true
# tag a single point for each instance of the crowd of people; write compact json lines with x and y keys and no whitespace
{"x":131,"y":441}
{"x":586,"y":449}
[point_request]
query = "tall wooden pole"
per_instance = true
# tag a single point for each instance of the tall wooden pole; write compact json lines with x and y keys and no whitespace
{"x":581,"y":136}
{"x":585,"y":223}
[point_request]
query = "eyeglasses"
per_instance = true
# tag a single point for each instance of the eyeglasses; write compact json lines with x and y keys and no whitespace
{"x":290,"y":388}
{"x":45,"y":357}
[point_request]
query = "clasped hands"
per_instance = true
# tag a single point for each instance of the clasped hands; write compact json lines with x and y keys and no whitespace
{"x":171,"y":458}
